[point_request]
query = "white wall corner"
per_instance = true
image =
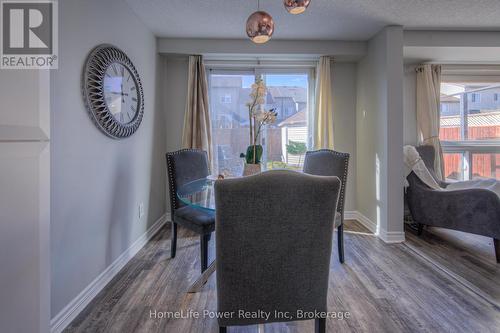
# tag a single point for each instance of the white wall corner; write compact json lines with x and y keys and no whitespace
{"x":71,"y":311}
{"x":387,"y":236}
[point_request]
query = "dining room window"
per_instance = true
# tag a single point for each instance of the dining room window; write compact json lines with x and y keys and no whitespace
{"x":470,"y":130}
{"x":285,"y":142}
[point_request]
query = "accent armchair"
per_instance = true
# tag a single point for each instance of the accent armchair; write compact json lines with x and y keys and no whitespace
{"x":476,"y":211}
{"x":326,"y":162}
{"x":184,"y":166}
{"x":274,"y":242}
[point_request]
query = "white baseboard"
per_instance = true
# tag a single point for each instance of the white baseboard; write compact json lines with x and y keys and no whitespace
{"x":70,"y":311}
{"x":392,"y":236}
{"x":388,"y":237}
{"x":355,"y":215}
{"x":350,"y":215}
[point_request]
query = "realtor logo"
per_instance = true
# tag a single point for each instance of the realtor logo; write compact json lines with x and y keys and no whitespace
{"x":29,"y":34}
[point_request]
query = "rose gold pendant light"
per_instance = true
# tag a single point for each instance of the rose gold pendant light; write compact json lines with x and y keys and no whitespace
{"x":260,"y":26}
{"x":296,"y":6}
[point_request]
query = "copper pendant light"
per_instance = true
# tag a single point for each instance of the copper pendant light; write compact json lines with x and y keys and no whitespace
{"x":296,"y":6}
{"x":260,"y":26}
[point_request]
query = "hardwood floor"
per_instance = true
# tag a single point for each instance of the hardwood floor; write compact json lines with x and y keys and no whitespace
{"x":385,"y":288}
{"x":472,"y":263}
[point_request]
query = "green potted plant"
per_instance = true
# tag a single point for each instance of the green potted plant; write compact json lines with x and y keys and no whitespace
{"x":258,"y":119}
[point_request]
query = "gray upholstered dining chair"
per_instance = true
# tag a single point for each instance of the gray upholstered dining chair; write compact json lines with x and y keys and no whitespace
{"x":273,"y":245}
{"x":184,"y":166}
{"x":326,"y":162}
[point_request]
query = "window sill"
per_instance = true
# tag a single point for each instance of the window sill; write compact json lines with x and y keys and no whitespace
{"x":489,"y":146}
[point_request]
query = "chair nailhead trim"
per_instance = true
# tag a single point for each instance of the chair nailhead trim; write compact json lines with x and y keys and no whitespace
{"x":346,"y":157}
{"x":171,"y":170}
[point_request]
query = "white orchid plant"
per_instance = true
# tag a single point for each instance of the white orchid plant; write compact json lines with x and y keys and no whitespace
{"x":258,"y":119}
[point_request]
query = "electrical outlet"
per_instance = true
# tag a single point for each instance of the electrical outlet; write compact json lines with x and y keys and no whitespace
{"x":141,"y":210}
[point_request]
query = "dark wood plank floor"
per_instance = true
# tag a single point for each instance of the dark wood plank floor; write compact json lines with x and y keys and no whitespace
{"x":385,"y":288}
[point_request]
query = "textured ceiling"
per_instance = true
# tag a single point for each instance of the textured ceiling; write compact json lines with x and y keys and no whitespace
{"x":325,"y":19}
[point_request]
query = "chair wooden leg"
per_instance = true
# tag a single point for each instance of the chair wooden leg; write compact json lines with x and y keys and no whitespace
{"x":320,"y":325}
{"x":420,"y":229}
{"x":496,"y":244}
{"x":222,"y":329}
{"x":204,"y":251}
{"x":173,"y":242}
{"x":340,"y":232}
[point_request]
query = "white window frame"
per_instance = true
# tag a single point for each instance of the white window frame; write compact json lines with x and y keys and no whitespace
{"x":469,"y":147}
{"x":262,"y":71}
{"x":259,"y":67}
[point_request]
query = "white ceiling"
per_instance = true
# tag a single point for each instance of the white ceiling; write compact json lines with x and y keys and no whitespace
{"x":325,"y":19}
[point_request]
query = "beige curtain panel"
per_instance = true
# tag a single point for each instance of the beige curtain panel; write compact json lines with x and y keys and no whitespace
{"x":197,"y":129}
{"x":428,"y":111}
{"x":323,"y":110}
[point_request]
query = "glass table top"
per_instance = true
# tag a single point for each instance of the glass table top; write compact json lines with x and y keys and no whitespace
{"x":198,"y":193}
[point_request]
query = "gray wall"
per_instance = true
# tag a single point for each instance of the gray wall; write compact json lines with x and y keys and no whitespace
{"x":97,"y":182}
{"x":175,"y":69}
{"x":370,"y":143}
{"x":410,"y":105}
{"x":379,"y":120}
{"x":344,"y":113}
{"x":174,"y":81}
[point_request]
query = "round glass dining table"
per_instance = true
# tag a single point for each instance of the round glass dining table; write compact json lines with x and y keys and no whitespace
{"x":198,"y":193}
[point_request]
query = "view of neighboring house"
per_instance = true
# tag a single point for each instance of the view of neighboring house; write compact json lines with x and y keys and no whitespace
{"x":483,"y":101}
{"x":286,"y":100}
{"x":228,"y":97}
{"x":294,"y":128}
{"x":480,"y":99}
{"x":450,"y":105}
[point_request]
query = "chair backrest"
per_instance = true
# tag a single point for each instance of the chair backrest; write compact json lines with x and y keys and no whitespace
{"x":326,"y":162}
{"x":427,"y":153}
{"x":273,"y":244}
{"x":417,"y":189}
{"x":184,"y":166}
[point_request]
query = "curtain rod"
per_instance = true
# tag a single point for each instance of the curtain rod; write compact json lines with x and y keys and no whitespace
{"x":259,"y":63}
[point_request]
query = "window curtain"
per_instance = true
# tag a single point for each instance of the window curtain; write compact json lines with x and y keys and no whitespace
{"x":323,"y":110}
{"x":197,"y":129}
{"x":428,"y":111}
